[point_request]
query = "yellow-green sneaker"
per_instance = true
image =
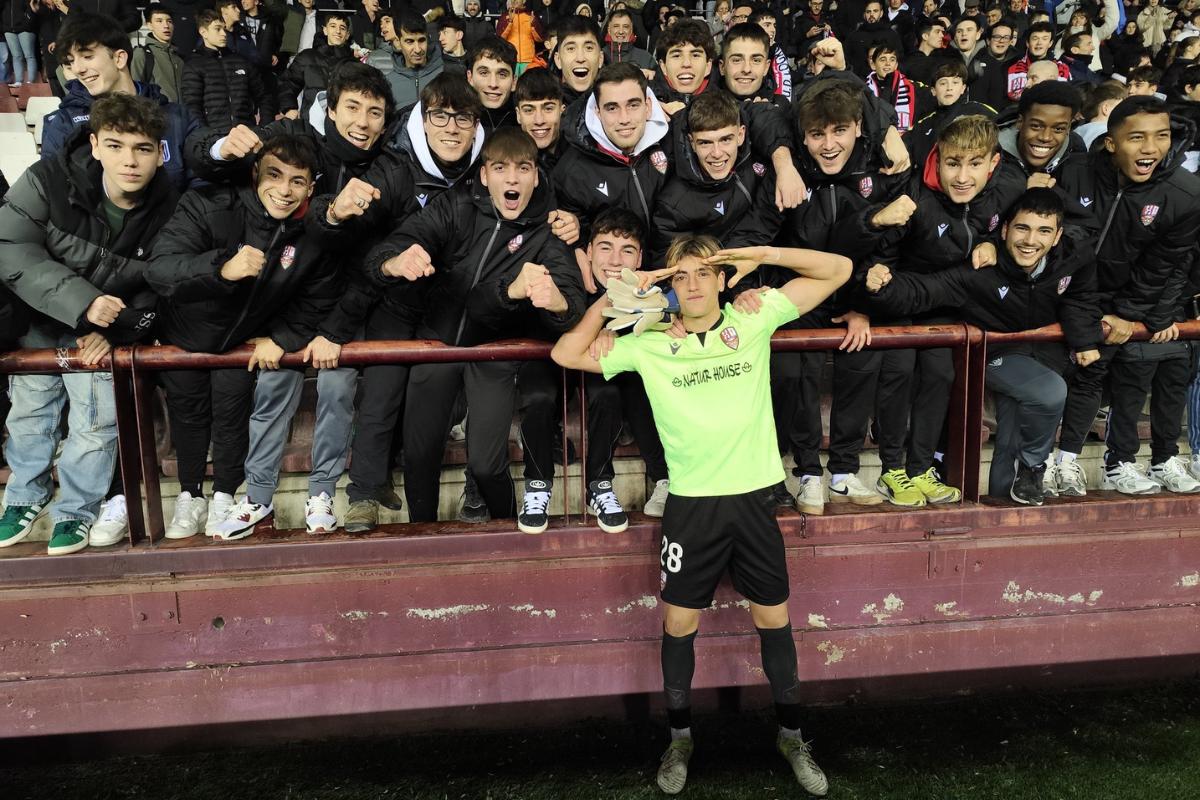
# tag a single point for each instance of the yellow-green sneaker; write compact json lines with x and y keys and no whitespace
{"x":899,"y":489}
{"x":934,"y":490}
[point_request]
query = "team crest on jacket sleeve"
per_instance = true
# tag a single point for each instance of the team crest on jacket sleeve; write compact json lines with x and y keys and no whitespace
{"x":993,"y":222}
{"x":730,"y":337}
{"x":1149,"y":212}
{"x":866,"y":186}
{"x":288,"y":256}
{"x":659,"y":160}
{"x":759,"y":169}
{"x":514,"y":243}
{"x":1063,"y":284}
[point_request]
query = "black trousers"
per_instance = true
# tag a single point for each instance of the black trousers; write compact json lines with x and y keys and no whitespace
{"x":796,"y":399}
{"x":1163,"y":370}
{"x":206,"y":405}
{"x":1085,"y":392}
{"x":869,"y":382}
{"x":932,"y":384}
{"x":491,"y":396}
{"x":381,"y":399}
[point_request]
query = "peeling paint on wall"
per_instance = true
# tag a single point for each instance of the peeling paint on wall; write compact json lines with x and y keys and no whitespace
{"x":359,"y":616}
{"x":833,"y":653}
{"x":449,"y":612}
{"x":1188,"y":581}
{"x":1014,"y":594}
{"x":891,"y":604}
{"x":949,"y":609}
{"x":535,"y":612}
{"x":645,"y":601}
{"x":817,"y":621}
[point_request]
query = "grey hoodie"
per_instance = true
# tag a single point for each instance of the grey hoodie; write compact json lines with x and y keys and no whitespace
{"x":407,"y":83}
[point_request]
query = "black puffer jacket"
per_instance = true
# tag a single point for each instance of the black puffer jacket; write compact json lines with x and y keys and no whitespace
{"x":1005,"y":298}
{"x":308,"y":74}
{"x":222,"y":90}
{"x":477,"y":254}
{"x":57,"y":253}
{"x":739,"y":210}
{"x":429,"y":178}
{"x":1145,"y":235}
{"x":205,"y":313}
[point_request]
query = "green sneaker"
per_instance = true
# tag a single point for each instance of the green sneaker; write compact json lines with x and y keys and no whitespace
{"x":672,"y":772}
{"x":899,"y":489}
{"x":799,"y":754}
{"x":934,"y":490}
{"x":17,"y":522}
{"x":69,"y":536}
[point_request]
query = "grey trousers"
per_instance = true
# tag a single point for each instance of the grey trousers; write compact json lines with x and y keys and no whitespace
{"x":276,"y":398}
{"x":1029,"y":405}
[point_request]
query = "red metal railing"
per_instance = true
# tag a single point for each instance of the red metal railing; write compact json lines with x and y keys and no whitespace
{"x":134,"y":384}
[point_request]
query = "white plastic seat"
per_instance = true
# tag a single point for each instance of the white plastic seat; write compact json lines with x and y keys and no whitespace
{"x":39,"y":107}
{"x":12,"y":123}
{"x":14,"y":164}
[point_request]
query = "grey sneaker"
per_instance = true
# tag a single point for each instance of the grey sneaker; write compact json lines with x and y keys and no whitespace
{"x":1070,"y":479}
{"x":1050,"y":478}
{"x":1171,"y":474}
{"x":657,"y":502}
{"x":799,"y":754}
{"x":1128,"y":477}
{"x":672,"y":771}
{"x":362,"y":516}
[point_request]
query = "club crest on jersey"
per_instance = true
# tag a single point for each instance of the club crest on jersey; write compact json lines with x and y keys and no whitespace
{"x":993,"y":222}
{"x":1063,"y":284}
{"x":1149,"y":213}
{"x":515,"y":243}
{"x":288,"y":256}
{"x":866,"y":186}
{"x":659,"y":160}
{"x":759,"y":169}
{"x":730,"y":337}
{"x":1003,"y":290}
{"x":943,"y":228}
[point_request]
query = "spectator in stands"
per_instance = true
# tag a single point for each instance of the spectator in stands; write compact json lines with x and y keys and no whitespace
{"x":48,"y":16}
{"x":988,"y":72}
{"x":529,"y":287}
{"x":781,"y":72}
{"x":1040,"y":42}
{"x":75,"y":231}
{"x":578,"y":56}
{"x":97,"y":51}
{"x":1078,"y":49}
{"x":929,"y":53}
{"x":222,"y":89}
{"x":264,"y":25}
{"x":1154,"y":22}
{"x":745,"y":62}
{"x":539,"y":104}
{"x":886,"y":82}
{"x":949,"y":93}
{"x":300,"y":28}
{"x":475,"y":23}
{"x":685,"y":53}
{"x":439,"y":141}
{"x":619,"y":43}
{"x":1040,"y":278}
{"x":156,"y":60}
{"x":873,"y":30}
{"x":414,"y":61}
{"x":310,"y":70}
{"x":1100,"y":102}
{"x":520,"y":28}
{"x":451,"y":32}
{"x":1146,"y":218}
{"x":491,"y":71}
{"x":364,"y":25}
{"x":958,"y":207}
{"x":236,"y":264}
{"x":125,"y":12}
{"x":809,"y":27}
{"x":18,"y":25}
{"x":1040,"y":140}
{"x":1144,"y":81}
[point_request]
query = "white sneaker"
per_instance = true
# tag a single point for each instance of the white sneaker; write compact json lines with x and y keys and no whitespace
{"x":1129,"y":478}
{"x":189,"y":516}
{"x":112,"y":526}
{"x":656,"y":504}
{"x":318,"y":514}
{"x":1194,"y":466}
{"x":1171,"y":475}
{"x":1050,"y":478}
{"x":811,"y":497}
{"x":1070,"y":480}
{"x":852,"y":490}
{"x":218,"y":511}
{"x":241,"y":520}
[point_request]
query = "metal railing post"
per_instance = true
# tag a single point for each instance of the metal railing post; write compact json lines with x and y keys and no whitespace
{"x":129,"y":460}
{"x":143,"y":404}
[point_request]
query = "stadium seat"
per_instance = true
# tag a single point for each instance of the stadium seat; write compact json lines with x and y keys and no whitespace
{"x":12,"y":123}
{"x":13,"y":164}
{"x":17,"y":143}
{"x":38,"y":108}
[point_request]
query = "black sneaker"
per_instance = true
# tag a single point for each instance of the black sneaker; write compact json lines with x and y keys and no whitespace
{"x":473,"y":509}
{"x":1027,"y":486}
{"x":603,"y":502}
{"x":535,"y":515}
{"x":783,"y":498}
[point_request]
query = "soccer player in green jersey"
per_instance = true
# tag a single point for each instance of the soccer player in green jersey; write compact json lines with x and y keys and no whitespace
{"x":711,"y":396}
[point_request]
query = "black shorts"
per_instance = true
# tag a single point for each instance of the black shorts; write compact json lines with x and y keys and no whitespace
{"x":702,"y":537}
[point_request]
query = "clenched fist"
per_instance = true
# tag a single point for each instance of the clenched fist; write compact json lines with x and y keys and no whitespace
{"x":247,"y":263}
{"x":519,"y":288}
{"x":239,"y":143}
{"x":878,"y":277}
{"x":544,"y":293}
{"x":104,"y":309}
{"x":895,"y":213}
{"x":354,"y":199}
{"x":412,"y":264}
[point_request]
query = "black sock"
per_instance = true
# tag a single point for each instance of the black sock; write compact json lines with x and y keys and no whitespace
{"x":678,"y":665}
{"x":194,"y":490}
{"x":779,"y":663}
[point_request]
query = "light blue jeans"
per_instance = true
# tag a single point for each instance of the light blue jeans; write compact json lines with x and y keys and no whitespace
{"x":5,"y":72}
{"x":85,"y":468}
{"x":23,"y":47}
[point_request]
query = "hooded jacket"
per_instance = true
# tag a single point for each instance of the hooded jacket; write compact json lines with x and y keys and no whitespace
{"x":222,"y":90}
{"x":429,"y":177}
{"x":1006,"y":298}
{"x":158,"y":63}
{"x":76,"y":109}
{"x":406,"y":82}
{"x":594,"y":174}
{"x":1145,"y":233}
{"x":58,"y":254}
{"x":739,"y":209}
{"x":477,"y":253}
{"x":308,"y":74}
{"x":203,"y":312}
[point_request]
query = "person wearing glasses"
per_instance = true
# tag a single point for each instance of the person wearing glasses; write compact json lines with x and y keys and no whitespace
{"x":987,"y":74}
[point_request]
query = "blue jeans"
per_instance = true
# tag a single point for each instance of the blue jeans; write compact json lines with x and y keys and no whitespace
{"x":5,"y":72}
{"x":23,"y":47}
{"x":89,"y":455}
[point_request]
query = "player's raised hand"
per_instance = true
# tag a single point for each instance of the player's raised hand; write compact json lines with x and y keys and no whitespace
{"x":247,"y":262}
{"x":353,"y":201}
{"x":744,"y":260}
{"x":413,"y":263}
{"x":239,"y":143}
{"x":895,"y":213}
